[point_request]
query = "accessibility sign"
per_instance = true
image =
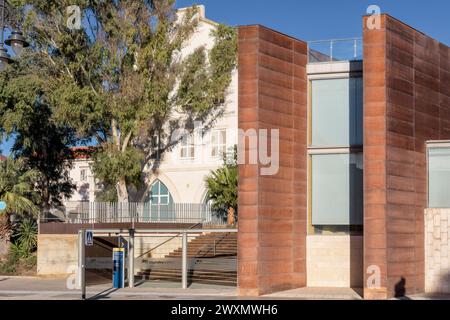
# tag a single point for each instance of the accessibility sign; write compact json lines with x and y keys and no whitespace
{"x":89,"y":238}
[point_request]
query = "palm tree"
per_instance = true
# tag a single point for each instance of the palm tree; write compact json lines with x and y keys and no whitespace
{"x":17,"y":191}
{"x":222,"y":185}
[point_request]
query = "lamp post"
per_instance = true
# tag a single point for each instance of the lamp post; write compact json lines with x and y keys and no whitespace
{"x":16,"y":40}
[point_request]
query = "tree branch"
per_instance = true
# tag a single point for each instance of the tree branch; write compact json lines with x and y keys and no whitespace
{"x":126,"y":140}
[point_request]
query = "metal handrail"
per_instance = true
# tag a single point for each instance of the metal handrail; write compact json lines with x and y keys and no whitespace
{"x":177,"y":235}
{"x":317,"y":55}
{"x":335,"y":40}
{"x":214,"y":245}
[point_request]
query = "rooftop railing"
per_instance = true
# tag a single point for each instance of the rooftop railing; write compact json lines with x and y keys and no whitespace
{"x":335,"y":50}
{"x":125,"y":212}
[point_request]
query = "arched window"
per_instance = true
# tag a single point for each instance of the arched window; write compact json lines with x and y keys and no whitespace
{"x":159,"y":194}
{"x":159,"y":205}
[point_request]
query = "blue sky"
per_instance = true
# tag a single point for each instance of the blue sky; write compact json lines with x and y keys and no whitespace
{"x":322,"y":19}
{"x":327,"y":19}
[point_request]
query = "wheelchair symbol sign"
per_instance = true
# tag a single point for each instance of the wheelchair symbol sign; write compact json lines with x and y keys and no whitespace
{"x":89,"y":239}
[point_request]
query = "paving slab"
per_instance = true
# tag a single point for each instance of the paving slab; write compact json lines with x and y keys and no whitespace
{"x":319,"y":293}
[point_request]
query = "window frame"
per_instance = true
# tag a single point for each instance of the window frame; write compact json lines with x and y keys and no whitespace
{"x":83,"y":177}
{"x":187,"y":143}
{"x":433,"y":144}
{"x":220,"y":145}
{"x":312,"y":150}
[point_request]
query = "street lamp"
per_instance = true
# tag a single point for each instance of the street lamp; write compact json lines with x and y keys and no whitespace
{"x":16,"y":40}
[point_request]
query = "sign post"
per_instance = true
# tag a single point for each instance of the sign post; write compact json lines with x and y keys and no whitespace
{"x":131,"y":259}
{"x":89,"y":239}
{"x":82,"y":263}
{"x":184,"y":262}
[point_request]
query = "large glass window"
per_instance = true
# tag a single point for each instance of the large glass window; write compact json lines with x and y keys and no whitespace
{"x":439,"y":177}
{"x":336,"y":112}
{"x":336,"y":161}
{"x":337,"y":189}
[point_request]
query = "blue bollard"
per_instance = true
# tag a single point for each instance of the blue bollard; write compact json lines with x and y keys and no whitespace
{"x":118,"y":268}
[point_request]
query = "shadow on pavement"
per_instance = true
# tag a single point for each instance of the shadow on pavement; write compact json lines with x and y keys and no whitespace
{"x":104,"y":294}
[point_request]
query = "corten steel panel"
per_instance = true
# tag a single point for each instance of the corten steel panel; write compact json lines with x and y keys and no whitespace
{"x":272,"y":209}
{"x":406,"y":103}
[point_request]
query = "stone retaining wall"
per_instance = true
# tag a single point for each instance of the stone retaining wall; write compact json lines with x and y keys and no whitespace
{"x":437,"y":250}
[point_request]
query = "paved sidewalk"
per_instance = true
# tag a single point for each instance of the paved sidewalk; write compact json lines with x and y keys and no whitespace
{"x":32,"y":288}
{"x":318,"y":293}
{"x":51,"y":289}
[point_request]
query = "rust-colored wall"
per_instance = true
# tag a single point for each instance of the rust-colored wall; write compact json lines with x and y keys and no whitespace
{"x":406,"y":103}
{"x":272,"y":209}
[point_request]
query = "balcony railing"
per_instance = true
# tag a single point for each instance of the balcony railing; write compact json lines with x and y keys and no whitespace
{"x":335,"y":50}
{"x":126,"y":212}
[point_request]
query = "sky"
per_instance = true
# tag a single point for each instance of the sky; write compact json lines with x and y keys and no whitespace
{"x":327,"y":19}
{"x":322,"y":19}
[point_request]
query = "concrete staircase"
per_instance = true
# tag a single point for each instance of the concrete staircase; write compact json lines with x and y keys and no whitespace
{"x":206,"y":253}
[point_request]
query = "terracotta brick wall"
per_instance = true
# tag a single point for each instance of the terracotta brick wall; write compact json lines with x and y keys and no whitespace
{"x":406,"y":103}
{"x":272,"y":209}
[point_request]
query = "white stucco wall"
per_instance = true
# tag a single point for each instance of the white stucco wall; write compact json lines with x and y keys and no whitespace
{"x":85,"y":190}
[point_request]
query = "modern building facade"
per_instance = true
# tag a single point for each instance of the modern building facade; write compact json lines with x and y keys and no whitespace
{"x":362,"y":155}
{"x":359,"y":198}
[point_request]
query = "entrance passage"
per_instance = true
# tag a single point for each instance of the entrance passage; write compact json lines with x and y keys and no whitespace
{"x":212,"y":259}
{"x":160,"y":257}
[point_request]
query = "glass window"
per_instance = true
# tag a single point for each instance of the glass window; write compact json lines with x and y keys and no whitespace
{"x":337,"y":189}
{"x":187,"y":148}
{"x":439,"y":177}
{"x":159,"y":194}
{"x":83,"y":175}
{"x":159,"y":207}
{"x":336,"y":112}
{"x":218,"y":143}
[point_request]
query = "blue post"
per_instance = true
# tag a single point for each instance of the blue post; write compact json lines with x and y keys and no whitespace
{"x":118,"y":267}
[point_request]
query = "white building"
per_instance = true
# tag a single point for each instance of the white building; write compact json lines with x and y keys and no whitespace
{"x":181,"y":172}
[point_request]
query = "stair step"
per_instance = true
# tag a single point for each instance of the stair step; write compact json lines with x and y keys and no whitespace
{"x":201,"y":247}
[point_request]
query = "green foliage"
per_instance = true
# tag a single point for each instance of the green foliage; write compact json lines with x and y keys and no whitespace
{"x":27,"y":115}
{"x":222,"y":184}
{"x":17,"y":187}
{"x":17,"y":260}
{"x":107,"y":193}
{"x":119,"y":79}
{"x":111,"y":166}
{"x":25,"y":237}
{"x":9,"y":266}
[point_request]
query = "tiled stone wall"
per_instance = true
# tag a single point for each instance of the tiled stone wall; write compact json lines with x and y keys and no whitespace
{"x":334,"y":261}
{"x":437,"y":250}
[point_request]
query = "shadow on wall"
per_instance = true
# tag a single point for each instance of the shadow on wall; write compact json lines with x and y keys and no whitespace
{"x":400,"y":288}
{"x":444,"y":284}
{"x":84,"y":192}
